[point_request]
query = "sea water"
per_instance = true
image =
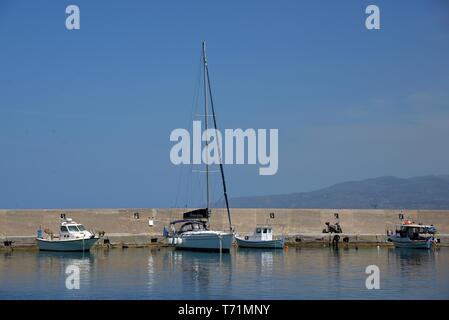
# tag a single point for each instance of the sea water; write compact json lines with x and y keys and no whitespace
{"x":165,"y":273}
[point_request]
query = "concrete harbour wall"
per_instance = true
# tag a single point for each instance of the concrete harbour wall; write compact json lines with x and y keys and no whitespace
{"x":300,"y":225}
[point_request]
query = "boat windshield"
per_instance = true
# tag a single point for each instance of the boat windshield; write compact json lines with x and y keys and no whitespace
{"x":73,"y":228}
{"x":191,"y":226}
{"x":81,"y":227}
{"x":414,"y":229}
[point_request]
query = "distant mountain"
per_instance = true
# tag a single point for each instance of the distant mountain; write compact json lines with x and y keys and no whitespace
{"x":426,"y":192}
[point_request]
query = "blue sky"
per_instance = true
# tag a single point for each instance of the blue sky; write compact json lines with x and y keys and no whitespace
{"x":85,"y":115}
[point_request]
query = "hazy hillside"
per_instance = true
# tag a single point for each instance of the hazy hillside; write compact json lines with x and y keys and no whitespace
{"x":426,"y":192}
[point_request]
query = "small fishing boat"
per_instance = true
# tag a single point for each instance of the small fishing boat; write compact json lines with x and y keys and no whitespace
{"x":413,"y":235}
{"x":261,"y":238}
{"x":72,"y":237}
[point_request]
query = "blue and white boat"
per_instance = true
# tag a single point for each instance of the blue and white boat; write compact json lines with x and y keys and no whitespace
{"x":72,"y":237}
{"x":413,"y":235}
{"x":261,"y":238}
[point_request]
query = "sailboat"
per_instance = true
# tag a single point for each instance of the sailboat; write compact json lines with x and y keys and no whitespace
{"x":193,"y":231}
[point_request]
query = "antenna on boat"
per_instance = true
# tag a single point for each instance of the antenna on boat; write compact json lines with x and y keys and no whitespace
{"x":206,"y":76}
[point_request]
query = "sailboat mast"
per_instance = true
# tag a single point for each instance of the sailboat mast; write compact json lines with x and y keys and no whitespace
{"x":225,"y":192}
{"x":205,"y":124}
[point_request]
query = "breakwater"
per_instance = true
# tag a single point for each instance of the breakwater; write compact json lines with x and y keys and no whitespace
{"x":123,"y":227}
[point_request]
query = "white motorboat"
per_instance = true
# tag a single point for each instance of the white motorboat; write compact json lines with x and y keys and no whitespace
{"x":72,"y":237}
{"x":413,"y":235}
{"x":261,"y":238}
{"x":193,"y":232}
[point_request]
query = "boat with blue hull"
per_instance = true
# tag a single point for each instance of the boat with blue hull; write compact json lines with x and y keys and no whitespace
{"x":72,"y":245}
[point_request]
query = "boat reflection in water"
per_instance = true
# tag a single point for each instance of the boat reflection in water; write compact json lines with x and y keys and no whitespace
{"x":408,"y":260}
{"x":198,"y":273}
{"x":166,"y":273}
{"x":264,"y":261}
{"x":56,"y":267}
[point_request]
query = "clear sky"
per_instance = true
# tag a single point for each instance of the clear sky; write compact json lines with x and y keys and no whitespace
{"x":85,"y":115}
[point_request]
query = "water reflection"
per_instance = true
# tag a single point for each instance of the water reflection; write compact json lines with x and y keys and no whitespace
{"x":199,"y":271}
{"x":411,"y":262}
{"x":262,"y":260}
{"x":151,"y":270}
{"x":51,"y":260}
{"x":7,"y":254}
{"x":57,"y":263}
{"x":296,"y":273}
{"x":411,"y":257}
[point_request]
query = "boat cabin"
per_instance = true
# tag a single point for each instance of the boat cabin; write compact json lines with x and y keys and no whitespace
{"x":415,"y":231}
{"x":262,"y":233}
{"x":71,"y":230}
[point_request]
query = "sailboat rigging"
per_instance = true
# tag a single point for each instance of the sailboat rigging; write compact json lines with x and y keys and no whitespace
{"x":194,"y":232}
{"x":225,"y":192}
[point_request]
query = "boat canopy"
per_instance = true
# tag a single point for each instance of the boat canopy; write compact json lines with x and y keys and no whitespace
{"x":202,"y":213}
{"x":421,"y":227}
{"x":188,"y":225}
{"x":187,"y":220}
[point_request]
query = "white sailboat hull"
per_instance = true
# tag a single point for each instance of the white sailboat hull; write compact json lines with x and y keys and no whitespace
{"x":66,"y":245}
{"x":203,"y":240}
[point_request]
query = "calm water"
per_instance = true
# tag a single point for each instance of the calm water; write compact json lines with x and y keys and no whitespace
{"x":298,"y":273}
